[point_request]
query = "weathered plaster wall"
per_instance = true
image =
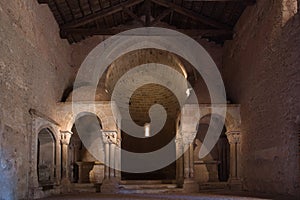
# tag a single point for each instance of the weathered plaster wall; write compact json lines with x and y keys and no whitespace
{"x":261,"y":71}
{"x":34,"y":70}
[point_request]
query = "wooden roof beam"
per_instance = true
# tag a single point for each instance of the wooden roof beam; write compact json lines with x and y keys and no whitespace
{"x":246,"y":2}
{"x":191,"y":14}
{"x":161,"y":16}
{"x":43,"y":1}
{"x":105,"y":12}
{"x":116,"y":30}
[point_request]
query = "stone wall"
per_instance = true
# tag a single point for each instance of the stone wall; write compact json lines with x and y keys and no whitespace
{"x":261,"y":72}
{"x":34,"y":70}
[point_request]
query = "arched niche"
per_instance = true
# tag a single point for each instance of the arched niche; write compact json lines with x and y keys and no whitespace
{"x":46,"y":157}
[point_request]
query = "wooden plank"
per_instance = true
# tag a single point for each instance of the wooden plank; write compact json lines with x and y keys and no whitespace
{"x":116,"y":30}
{"x":246,"y":2}
{"x":161,"y":16}
{"x":148,"y":12}
{"x":191,"y":14}
{"x":105,"y":12}
{"x":134,"y":16}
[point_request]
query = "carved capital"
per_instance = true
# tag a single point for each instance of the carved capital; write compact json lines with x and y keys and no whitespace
{"x":65,"y":137}
{"x":188,"y":137}
{"x":110,"y":137}
{"x":233,"y":137}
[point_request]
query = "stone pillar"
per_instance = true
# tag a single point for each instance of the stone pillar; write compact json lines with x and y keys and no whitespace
{"x":110,"y":184}
{"x":106,"y":164}
{"x":189,"y":184}
{"x":186,"y":160}
{"x":179,"y":161}
{"x":65,"y":140}
{"x":118,"y":159}
{"x":191,"y":148}
{"x":112,"y":159}
{"x":234,"y":141}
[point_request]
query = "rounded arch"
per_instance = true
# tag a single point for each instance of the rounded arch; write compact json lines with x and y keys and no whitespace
{"x":217,"y":161}
{"x":46,"y":157}
{"x":97,"y":112}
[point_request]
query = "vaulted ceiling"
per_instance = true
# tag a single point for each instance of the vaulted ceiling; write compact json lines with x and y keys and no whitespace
{"x":212,"y":19}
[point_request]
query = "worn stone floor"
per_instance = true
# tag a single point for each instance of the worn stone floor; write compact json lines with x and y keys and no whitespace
{"x":198,"y":196}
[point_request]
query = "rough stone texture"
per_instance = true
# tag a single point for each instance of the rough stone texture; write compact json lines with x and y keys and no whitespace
{"x":261,"y":71}
{"x":34,"y":68}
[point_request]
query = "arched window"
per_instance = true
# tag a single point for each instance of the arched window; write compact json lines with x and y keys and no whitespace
{"x":46,"y":163}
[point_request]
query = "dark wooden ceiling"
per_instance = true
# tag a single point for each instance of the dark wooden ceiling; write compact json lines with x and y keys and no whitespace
{"x":212,"y":19}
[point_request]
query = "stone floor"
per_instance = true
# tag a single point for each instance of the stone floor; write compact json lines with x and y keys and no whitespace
{"x":199,"y":196}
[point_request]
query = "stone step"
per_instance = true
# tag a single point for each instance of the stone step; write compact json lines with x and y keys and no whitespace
{"x":148,"y":188}
{"x":84,"y":187}
{"x":213,"y":186}
{"x":146,"y":182}
{"x":154,"y":186}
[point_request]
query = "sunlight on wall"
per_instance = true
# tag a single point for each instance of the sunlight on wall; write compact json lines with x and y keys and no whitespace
{"x":289,"y":10}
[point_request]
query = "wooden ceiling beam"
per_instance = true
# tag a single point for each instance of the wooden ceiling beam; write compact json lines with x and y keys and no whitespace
{"x":134,"y":16}
{"x":43,"y":1}
{"x":191,"y":14}
{"x":148,"y":12}
{"x":161,"y":16}
{"x":246,"y":2}
{"x":105,"y":12}
{"x":116,"y":30}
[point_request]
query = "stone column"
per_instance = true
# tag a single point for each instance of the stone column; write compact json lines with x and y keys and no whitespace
{"x":234,"y":141}
{"x":112,"y":159}
{"x":118,"y":159}
{"x":110,"y":184}
{"x":191,"y":148}
{"x":179,"y":161}
{"x":189,"y":184}
{"x":186,"y":160}
{"x":65,"y":140}
{"x":106,"y":164}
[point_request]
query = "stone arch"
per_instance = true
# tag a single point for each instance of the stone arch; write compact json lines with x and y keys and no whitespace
{"x":231,"y":121}
{"x":217,"y":161}
{"x":104,"y":118}
{"x":46,"y":157}
{"x":81,"y":160}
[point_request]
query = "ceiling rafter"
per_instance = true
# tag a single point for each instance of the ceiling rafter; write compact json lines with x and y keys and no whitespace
{"x":134,"y":16}
{"x":115,"y":30}
{"x":105,"y":12}
{"x":191,"y":14}
{"x":161,"y":16}
{"x":215,"y":25}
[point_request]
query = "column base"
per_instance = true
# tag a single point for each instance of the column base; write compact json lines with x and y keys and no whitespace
{"x":190,"y":186}
{"x":110,"y":186}
{"x":235,"y":184}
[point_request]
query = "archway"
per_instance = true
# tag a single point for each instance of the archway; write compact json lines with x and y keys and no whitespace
{"x":80,"y":159}
{"x":46,"y":158}
{"x":215,"y":167}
